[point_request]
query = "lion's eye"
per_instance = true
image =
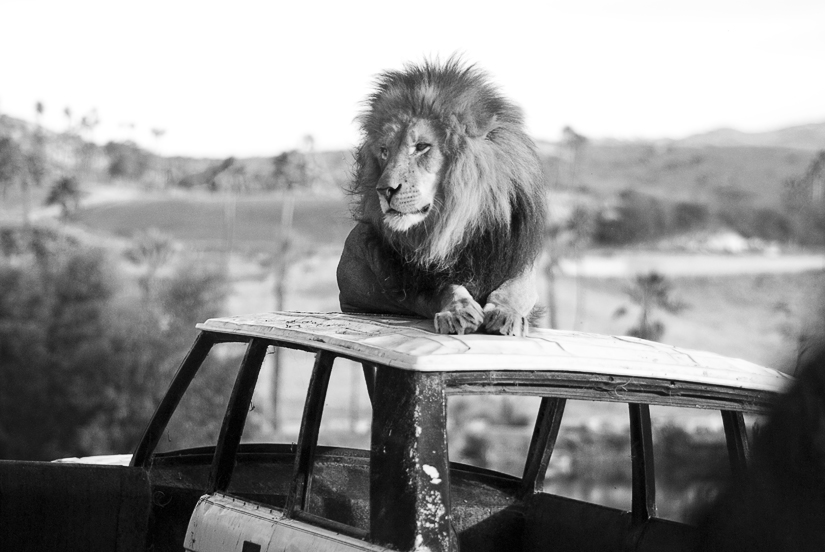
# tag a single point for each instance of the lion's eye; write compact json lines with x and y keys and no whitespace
{"x":422,"y":147}
{"x":384,"y":153}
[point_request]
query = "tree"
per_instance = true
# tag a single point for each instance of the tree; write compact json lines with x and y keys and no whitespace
{"x":82,"y":363}
{"x":804,"y":202}
{"x":689,"y":216}
{"x":36,"y":158}
{"x":88,"y":124}
{"x":568,"y":239}
{"x":573,"y":145}
{"x":581,"y":227}
{"x":650,"y":292}
{"x":151,"y":249}
{"x":35,"y":163}
{"x":126,"y":160}
{"x":52,"y":317}
{"x":12,"y":163}
{"x":160,"y":168}
{"x":283,"y":260}
{"x":146,"y":346}
{"x":637,"y":217}
{"x":15,"y":167}
{"x":65,"y":193}
{"x":290,"y":170}
{"x":191,"y":294}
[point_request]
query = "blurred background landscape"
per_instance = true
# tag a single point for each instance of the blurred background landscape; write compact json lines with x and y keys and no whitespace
{"x":113,"y":245}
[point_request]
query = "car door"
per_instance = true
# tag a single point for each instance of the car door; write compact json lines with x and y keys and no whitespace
{"x":327,"y":507}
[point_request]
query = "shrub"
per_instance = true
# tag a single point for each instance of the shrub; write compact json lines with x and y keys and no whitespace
{"x":82,"y":365}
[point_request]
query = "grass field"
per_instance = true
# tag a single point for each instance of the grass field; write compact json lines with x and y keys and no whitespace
{"x":209,"y":221}
{"x":751,"y":316}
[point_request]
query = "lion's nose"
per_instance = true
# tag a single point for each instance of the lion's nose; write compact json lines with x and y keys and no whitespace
{"x":387,"y":191}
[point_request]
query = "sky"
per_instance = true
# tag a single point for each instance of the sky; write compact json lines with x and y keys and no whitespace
{"x":254,"y":78}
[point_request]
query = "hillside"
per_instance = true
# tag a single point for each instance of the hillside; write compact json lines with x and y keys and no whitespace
{"x":700,"y":173}
{"x":709,"y":168}
{"x":805,"y":137}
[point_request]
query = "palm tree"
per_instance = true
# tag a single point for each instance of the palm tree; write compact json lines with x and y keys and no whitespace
{"x":283,"y":260}
{"x":88,"y":123}
{"x":152,"y":249}
{"x":568,"y":238}
{"x":650,"y":292}
{"x":290,"y":172}
{"x":35,"y":163}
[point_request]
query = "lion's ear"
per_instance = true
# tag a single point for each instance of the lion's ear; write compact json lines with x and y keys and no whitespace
{"x":490,"y":127}
{"x":479,"y":126}
{"x":482,"y":127}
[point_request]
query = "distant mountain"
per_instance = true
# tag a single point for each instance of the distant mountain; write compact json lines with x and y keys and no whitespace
{"x":805,"y":137}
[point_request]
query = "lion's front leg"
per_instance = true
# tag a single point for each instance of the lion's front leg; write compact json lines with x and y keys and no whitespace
{"x":509,"y":306}
{"x":459,"y":313}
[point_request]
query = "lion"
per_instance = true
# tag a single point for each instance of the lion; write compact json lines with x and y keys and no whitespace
{"x":450,"y":204}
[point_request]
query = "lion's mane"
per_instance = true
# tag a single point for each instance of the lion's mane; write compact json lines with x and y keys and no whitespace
{"x":488,"y":217}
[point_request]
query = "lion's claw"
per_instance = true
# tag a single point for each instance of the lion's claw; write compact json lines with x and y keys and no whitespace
{"x":462,"y":316}
{"x":503,"y":320}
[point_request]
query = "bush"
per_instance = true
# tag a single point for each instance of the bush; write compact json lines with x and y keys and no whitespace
{"x":51,"y":323}
{"x":126,"y":160}
{"x":764,"y":223}
{"x":636,"y":218}
{"x":690,"y":216}
{"x":82,"y":364}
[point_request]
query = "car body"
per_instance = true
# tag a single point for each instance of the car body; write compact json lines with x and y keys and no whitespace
{"x":404,"y":493}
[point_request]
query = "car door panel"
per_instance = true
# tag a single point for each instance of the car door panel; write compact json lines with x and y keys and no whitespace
{"x":224,"y":523}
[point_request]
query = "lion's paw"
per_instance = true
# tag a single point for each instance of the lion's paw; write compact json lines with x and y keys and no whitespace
{"x":462,"y":316}
{"x":504,"y":320}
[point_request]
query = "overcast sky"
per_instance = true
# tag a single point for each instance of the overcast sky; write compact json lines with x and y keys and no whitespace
{"x":253,"y":78}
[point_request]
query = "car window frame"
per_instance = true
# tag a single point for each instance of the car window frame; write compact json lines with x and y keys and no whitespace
{"x":144,"y":452}
{"x":639,"y":394}
{"x":554,"y":389}
{"x":307,"y":447}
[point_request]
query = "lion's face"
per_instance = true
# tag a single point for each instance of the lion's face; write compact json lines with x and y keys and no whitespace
{"x":411,"y":159}
{"x":444,"y":167}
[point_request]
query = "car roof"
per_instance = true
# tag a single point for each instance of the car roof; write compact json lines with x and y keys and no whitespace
{"x":412,"y":344}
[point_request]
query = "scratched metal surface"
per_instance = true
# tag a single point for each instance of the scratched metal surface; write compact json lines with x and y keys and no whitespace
{"x":411,"y":344}
{"x":224,"y":524}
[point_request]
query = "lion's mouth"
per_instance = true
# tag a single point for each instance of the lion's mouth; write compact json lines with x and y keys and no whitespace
{"x":423,"y":211}
{"x":402,"y":221}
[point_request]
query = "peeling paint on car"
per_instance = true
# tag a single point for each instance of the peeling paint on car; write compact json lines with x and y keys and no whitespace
{"x":435,"y":477}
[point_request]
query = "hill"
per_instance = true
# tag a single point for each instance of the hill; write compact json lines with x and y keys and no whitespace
{"x":809,"y":137}
{"x":705,"y":174}
{"x":721,"y":165}
{"x":704,"y":168}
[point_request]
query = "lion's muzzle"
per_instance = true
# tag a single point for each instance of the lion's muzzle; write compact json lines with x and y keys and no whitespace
{"x":405,"y":197}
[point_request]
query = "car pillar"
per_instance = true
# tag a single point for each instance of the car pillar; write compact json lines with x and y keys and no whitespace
{"x":409,"y":470}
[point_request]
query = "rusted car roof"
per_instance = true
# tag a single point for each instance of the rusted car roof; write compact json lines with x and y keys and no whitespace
{"x":411,"y":344}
